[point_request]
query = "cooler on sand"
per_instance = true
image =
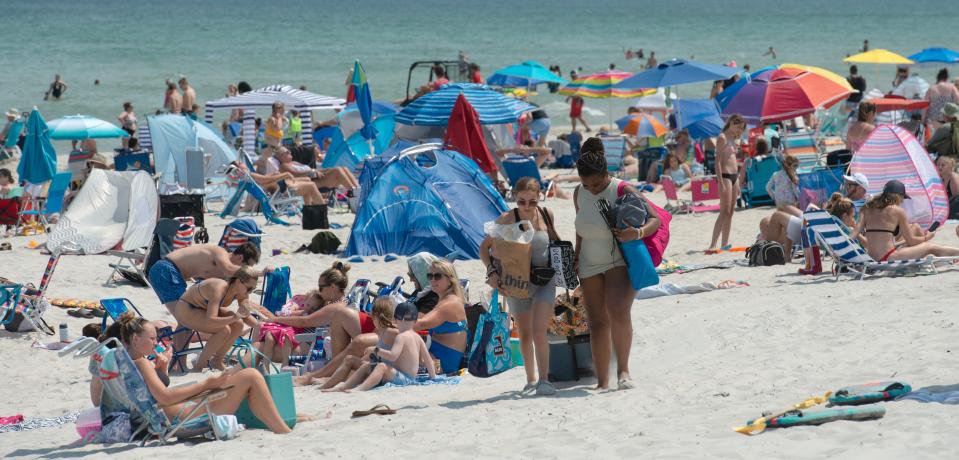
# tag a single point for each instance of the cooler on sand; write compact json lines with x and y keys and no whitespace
{"x":569,"y":358}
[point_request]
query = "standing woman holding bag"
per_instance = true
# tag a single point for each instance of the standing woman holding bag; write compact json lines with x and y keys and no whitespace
{"x":605,"y":282}
{"x":532,"y":314}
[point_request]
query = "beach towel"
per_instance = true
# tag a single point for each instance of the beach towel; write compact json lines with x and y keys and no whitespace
{"x":942,"y":394}
{"x":667,"y":289}
{"x":426,"y":380}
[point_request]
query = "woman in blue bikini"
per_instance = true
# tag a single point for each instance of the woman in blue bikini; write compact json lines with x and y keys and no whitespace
{"x":447,"y":322}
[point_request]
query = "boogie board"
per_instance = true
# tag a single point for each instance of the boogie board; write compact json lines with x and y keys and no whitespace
{"x":820,"y":416}
{"x":868,"y":393}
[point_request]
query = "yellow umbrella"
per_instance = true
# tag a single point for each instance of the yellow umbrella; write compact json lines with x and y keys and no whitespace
{"x":878,"y":56}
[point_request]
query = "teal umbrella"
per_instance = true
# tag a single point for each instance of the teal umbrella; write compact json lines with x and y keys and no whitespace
{"x":80,"y":127}
{"x":528,"y":73}
{"x":38,"y":163}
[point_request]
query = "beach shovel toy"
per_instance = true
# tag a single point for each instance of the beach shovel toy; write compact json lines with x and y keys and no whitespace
{"x":759,"y":425}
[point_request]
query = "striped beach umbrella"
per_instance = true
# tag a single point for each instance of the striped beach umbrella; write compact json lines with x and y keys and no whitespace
{"x":775,"y":94}
{"x":602,"y":86}
{"x":642,"y":125}
{"x":434,"y":108}
{"x":80,"y":127}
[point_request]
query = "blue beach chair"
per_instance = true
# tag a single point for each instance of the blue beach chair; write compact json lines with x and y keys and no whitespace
{"x":10,"y":149}
{"x":41,"y":208}
{"x":517,"y":167}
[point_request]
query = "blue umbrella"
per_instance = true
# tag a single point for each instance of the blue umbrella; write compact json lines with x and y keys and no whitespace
{"x":379,"y":108}
{"x":527,"y":74}
{"x":700,"y":117}
{"x":364,"y":101}
{"x":38,"y":163}
{"x":945,"y":55}
{"x":80,"y":127}
{"x":434,"y":108}
{"x":677,"y":72}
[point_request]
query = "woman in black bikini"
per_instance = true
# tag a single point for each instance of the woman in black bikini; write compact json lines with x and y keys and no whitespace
{"x":950,"y":181}
{"x":204,"y":308}
{"x":882,"y":218}
{"x":728,"y":171}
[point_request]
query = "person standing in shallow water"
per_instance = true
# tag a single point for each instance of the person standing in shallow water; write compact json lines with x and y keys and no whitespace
{"x":57,"y":88}
{"x":607,"y":292}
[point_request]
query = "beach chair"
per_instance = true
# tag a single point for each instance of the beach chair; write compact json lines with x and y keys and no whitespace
{"x":759,"y":171}
{"x":11,"y":150}
{"x":276,"y":289}
{"x":358,"y":296}
{"x":704,"y":189}
{"x":133,"y":265}
{"x":133,"y":161}
{"x":517,"y":167}
{"x":802,"y":145}
{"x":615,"y":148}
{"x":247,"y":185}
{"x":9,"y":300}
{"x":240,"y":231}
{"x":850,"y":257}
{"x":41,"y":208}
{"x":124,"y":385}
{"x":33,"y":303}
{"x":674,"y":204}
{"x":114,"y":308}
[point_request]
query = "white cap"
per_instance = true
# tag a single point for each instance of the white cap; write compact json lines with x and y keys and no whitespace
{"x":858,"y":178}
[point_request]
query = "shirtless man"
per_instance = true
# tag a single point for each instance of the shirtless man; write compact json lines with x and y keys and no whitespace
{"x":169,"y":275}
{"x":189,"y":96}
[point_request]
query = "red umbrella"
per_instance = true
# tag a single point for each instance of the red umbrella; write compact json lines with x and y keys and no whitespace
{"x":890,"y":103}
{"x":464,"y":135}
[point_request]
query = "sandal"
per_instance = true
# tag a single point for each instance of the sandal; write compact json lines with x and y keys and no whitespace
{"x":80,"y":313}
{"x":379,"y":409}
{"x":5,"y":247}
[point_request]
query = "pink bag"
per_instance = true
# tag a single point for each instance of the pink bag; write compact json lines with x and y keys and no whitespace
{"x":657,"y":242}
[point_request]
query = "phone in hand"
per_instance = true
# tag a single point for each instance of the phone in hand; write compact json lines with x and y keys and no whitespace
{"x":934,"y":226}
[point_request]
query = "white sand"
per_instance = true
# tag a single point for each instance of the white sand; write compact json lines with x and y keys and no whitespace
{"x":703,"y":364}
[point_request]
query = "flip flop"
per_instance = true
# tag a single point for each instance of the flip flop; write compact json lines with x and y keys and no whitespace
{"x":80,"y":313}
{"x":5,"y":247}
{"x":379,"y":409}
{"x":713,"y":251}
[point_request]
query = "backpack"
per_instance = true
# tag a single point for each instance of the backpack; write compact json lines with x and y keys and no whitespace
{"x":765,"y":253}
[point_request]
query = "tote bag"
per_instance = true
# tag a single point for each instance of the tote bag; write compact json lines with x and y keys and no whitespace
{"x":281,"y":389}
{"x":490,"y":352}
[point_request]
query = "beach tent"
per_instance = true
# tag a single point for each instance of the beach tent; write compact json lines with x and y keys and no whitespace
{"x":351,"y":151}
{"x":171,"y":135}
{"x":112,"y":208}
{"x":374,"y":165}
{"x":426,"y":200}
{"x":292,"y":98}
{"x":890,"y":152}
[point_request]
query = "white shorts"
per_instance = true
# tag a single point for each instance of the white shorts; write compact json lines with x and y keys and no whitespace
{"x":794,"y":229}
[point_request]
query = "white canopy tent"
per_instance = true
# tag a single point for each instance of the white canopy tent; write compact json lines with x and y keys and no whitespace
{"x":299,"y":100}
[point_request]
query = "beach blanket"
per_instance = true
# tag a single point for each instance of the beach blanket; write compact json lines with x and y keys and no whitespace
{"x":667,"y":289}
{"x":672,"y":267}
{"x":34,"y":423}
{"x":942,"y":394}
{"x":426,"y":380}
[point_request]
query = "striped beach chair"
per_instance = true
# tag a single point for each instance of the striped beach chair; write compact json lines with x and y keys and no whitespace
{"x":802,"y":145}
{"x":615,"y":148}
{"x":849,"y":257}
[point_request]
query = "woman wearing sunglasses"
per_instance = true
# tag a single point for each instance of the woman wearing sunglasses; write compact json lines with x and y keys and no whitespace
{"x":204,"y":307}
{"x":446,"y":323}
{"x":532,"y":314}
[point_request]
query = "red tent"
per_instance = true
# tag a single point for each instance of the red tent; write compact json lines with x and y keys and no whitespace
{"x":464,"y":135}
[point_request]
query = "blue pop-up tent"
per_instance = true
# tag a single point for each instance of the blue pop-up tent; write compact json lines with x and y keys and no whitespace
{"x":426,"y":200}
{"x":172,"y":135}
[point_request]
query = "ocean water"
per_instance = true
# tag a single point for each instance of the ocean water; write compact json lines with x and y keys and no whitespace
{"x":132,"y":46}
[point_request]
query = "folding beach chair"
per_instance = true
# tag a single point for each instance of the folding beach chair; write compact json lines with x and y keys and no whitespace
{"x":11,"y":150}
{"x":849,"y":257}
{"x":133,"y":265}
{"x":674,"y":204}
{"x":267,"y":204}
{"x":802,"y":145}
{"x":41,"y":208}
{"x":33,"y":303}
{"x":133,"y":161}
{"x":759,"y":171}
{"x":276,"y":289}
{"x":615,"y":148}
{"x":704,"y":189}
{"x":240,"y":231}
{"x":358,"y":296}
{"x":114,"y":308}
{"x":517,"y":167}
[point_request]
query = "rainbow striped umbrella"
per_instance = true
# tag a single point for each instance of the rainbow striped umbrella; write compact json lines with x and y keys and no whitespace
{"x":642,"y":125}
{"x":600,"y":86}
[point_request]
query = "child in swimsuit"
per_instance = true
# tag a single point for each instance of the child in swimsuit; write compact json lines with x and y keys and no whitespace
{"x":382,"y":318}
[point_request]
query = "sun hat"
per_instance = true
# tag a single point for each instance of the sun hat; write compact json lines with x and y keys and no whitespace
{"x":897,"y":188}
{"x":950,"y":110}
{"x":858,"y":178}
{"x":13,"y":112}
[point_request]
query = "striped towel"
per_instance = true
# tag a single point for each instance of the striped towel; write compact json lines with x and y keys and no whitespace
{"x":184,"y":234}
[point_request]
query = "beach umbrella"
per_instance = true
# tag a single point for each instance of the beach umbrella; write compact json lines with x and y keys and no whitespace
{"x":642,"y":125}
{"x":364,"y":101}
{"x":434,"y":108}
{"x":780,"y":94}
{"x":878,"y":56}
{"x":80,"y":127}
{"x":936,"y":55}
{"x":655,"y":101}
{"x":464,"y":135}
{"x":527,"y":73}
{"x":700,"y":117}
{"x":603,"y":86}
{"x":892,"y":103}
{"x":38,"y":162}
{"x":675,"y":72}
{"x":914,"y":87}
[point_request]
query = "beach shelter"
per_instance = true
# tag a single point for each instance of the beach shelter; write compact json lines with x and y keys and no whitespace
{"x":426,"y":200}
{"x":294,"y":99}
{"x":526,"y":74}
{"x":171,"y":135}
{"x":435,"y":107}
{"x":776,"y":94}
{"x":374,"y":165}
{"x":350,"y":120}
{"x":112,"y":208}
{"x":936,"y":55}
{"x":891,"y":152}
{"x":348,"y":152}
{"x":700,"y":117}
{"x":464,"y":134}
{"x":38,"y":162}
{"x":80,"y":127}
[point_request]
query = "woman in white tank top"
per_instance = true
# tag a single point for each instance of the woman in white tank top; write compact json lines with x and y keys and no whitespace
{"x":607,"y":291}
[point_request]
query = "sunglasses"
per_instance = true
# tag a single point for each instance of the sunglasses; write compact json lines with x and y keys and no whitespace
{"x":527,"y":202}
{"x":435,"y":276}
{"x":321,"y":286}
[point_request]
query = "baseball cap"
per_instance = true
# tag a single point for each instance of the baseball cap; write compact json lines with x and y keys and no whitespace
{"x":896,"y":187}
{"x":405,"y":311}
{"x":858,"y":178}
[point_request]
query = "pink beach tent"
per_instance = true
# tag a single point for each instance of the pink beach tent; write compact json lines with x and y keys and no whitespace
{"x":891,"y":152}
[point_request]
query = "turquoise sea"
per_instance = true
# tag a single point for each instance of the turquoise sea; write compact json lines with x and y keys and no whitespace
{"x":132,"y":46}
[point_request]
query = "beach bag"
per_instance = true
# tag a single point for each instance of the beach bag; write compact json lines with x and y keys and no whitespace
{"x":28,"y":318}
{"x":279,"y":383}
{"x":324,"y":243}
{"x":869,"y":393}
{"x":490,"y":353}
{"x":561,"y":256}
{"x":765,"y":253}
{"x":315,"y":217}
{"x":513,"y":266}
{"x":657,"y":242}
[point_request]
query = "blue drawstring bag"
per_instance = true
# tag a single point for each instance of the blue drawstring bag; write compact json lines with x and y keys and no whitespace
{"x":642,"y":273}
{"x":490,"y":352}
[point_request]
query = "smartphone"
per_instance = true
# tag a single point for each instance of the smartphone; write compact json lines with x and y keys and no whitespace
{"x":157,"y":350}
{"x":934,"y":226}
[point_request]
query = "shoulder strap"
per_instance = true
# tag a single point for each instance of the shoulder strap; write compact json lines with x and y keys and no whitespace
{"x":549,"y":224}
{"x":621,"y":189}
{"x":516,"y":215}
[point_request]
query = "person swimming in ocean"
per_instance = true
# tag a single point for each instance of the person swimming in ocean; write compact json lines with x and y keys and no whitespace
{"x":57,"y":88}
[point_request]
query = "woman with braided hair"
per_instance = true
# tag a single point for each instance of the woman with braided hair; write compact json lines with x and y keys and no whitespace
{"x":607,"y":291}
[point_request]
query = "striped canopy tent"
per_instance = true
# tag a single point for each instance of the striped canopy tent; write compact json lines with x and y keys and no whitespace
{"x":434,"y":108}
{"x":890,"y":152}
{"x":302,"y":101}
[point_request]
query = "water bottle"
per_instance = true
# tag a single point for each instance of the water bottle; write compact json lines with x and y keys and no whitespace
{"x":64,"y":334}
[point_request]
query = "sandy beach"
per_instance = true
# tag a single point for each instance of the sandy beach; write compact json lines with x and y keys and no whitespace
{"x":703,"y":364}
